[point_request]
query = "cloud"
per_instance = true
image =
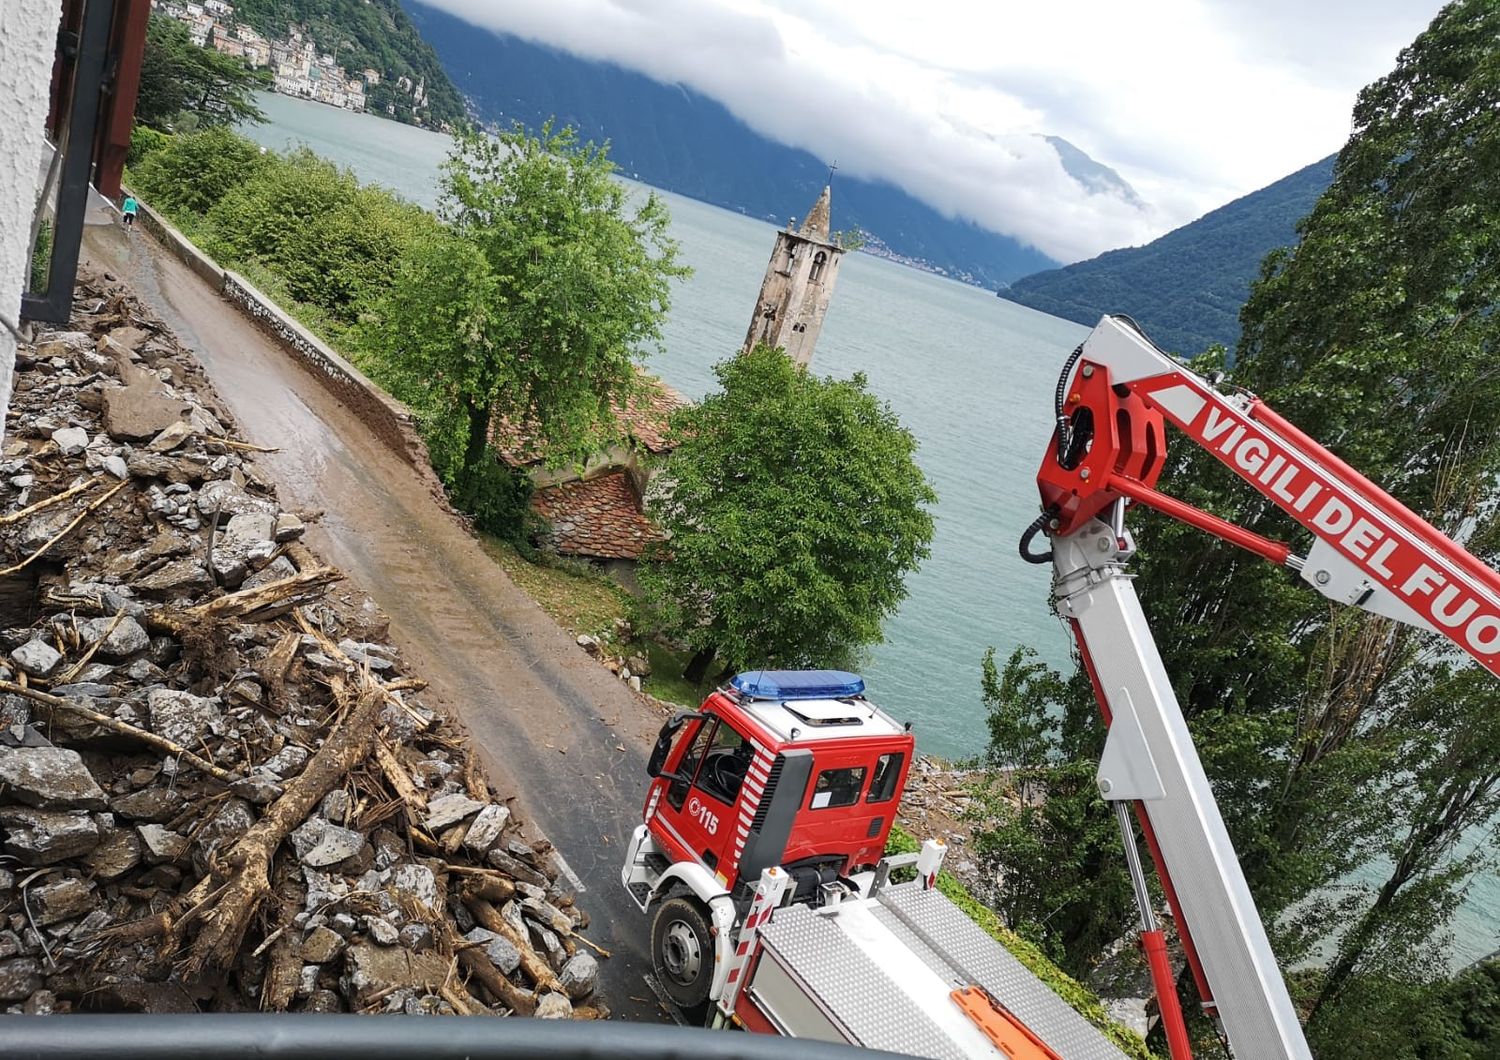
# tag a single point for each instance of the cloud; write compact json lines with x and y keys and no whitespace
{"x":1193,"y":101}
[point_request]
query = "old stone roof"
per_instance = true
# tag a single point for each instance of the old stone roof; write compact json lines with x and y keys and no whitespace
{"x":598,"y":518}
{"x":642,"y":420}
{"x":816,"y":224}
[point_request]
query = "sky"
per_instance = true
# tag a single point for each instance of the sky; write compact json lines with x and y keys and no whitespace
{"x":1193,"y":102}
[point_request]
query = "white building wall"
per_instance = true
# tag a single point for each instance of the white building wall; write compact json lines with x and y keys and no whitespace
{"x":28,"y":35}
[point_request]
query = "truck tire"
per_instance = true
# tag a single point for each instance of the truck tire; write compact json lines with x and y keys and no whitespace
{"x":682,"y":951}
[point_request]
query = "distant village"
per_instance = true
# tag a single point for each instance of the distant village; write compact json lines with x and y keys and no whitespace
{"x":296,"y":65}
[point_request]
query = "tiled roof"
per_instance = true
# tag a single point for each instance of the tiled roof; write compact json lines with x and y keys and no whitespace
{"x":642,"y":419}
{"x":599,"y":518}
{"x":645,"y":416}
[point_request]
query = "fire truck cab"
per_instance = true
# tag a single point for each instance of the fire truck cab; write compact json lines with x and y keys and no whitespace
{"x":784,"y":768}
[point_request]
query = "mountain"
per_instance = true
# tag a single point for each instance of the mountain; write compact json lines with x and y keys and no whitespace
{"x":675,"y":138}
{"x":1185,"y":288}
{"x":1095,"y":176}
{"x":367,"y":34}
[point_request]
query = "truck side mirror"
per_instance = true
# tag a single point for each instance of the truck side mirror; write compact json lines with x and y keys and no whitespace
{"x":664,"y":741}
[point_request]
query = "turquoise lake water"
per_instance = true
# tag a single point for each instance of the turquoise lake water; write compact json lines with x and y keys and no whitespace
{"x":969,"y":374}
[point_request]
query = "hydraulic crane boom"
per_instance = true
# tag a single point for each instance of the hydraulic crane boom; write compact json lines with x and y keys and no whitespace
{"x":1114,"y":398}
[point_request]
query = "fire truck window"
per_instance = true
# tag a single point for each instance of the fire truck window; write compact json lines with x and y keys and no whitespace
{"x":725,"y":765}
{"x":688,"y":766}
{"x":887,"y":772}
{"x":838,"y":787}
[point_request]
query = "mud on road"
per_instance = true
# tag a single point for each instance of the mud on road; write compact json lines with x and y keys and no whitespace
{"x":548,"y":720}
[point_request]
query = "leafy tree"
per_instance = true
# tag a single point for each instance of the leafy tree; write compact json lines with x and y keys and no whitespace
{"x":556,"y":284}
{"x":177,"y":76}
{"x":429,"y":340}
{"x":795,"y":511}
{"x":1338,"y":741}
{"x":189,"y":174}
{"x":1064,"y":883}
{"x":280,"y":202}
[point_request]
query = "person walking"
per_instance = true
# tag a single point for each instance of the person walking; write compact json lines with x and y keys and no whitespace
{"x":128,"y":211}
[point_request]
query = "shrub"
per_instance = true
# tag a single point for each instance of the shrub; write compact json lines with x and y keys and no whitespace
{"x":189,"y":175}
{"x":498,"y":499}
{"x":144,"y":142}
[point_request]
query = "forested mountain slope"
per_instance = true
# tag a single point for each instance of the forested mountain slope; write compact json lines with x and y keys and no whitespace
{"x":366,"y":33}
{"x":1185,"y":288}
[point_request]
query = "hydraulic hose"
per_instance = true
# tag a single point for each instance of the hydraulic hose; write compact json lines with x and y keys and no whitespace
{"x":1029,"y":534}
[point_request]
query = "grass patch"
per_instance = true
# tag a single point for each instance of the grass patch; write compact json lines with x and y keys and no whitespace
{"x":1059,"y":982}
{"x":666,"y":680}
{"x":577,"y":598}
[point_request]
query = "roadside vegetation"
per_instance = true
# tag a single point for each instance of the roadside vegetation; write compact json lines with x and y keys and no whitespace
{"x":526,"y":302}
{"x":1356,"y":761}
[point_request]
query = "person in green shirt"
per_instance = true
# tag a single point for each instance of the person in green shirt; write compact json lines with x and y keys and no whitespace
{"x":128,"y":211}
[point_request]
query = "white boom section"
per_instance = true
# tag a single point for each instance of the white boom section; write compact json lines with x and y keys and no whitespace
{"x":1149,"y":756}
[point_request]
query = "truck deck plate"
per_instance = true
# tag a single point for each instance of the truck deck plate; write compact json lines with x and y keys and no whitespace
{"x":957,"y":948}
{"x":858,"y":995}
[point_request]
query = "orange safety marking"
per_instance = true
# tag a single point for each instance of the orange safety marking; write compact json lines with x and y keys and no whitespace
{"x":1001,"y":1026}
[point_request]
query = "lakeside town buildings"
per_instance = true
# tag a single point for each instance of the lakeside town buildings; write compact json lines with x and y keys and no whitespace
{"x":297,"y":67}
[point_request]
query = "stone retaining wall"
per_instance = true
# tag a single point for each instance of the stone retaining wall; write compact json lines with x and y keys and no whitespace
{"x":383,"y":414}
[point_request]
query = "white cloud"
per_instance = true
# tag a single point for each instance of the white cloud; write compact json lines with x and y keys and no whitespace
{"x":1194,"y":102}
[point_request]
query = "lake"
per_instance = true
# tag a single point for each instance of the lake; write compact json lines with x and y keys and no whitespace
{"x":969,"y":374}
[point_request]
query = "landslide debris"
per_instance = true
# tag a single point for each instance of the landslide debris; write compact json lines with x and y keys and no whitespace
{"x":219,"y":787}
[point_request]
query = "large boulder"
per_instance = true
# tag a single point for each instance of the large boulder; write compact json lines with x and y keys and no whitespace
{"x":320,"y":843}
{"x":19,"y":978}
{"x":181,"y":716}
{"x":53,"y":777}
{"x":579,"y":976}
{"x":44,"y":837}
{"x":370,"y":970}
{"x":37,"y":658}
{"x":62,"y":900}
{"x":124,"y":640}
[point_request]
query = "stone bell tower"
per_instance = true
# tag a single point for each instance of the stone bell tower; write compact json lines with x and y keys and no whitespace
{"x":799,"y":282}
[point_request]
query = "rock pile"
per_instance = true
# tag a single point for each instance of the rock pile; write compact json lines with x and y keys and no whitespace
{"x":219,"y":788}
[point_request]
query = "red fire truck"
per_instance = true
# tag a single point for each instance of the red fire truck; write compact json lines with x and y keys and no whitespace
{"x":777,"y":797}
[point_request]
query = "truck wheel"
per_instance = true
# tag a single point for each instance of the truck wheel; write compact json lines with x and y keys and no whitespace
{"x":682,"y":951}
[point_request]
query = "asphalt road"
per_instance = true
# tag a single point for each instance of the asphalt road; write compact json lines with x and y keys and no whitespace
{"x":549,"y":722}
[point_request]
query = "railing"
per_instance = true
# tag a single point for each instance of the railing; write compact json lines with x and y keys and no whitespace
{"x":352,"y":1037}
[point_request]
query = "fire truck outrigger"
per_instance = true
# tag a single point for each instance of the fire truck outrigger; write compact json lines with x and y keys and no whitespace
{"x":760,"y":856}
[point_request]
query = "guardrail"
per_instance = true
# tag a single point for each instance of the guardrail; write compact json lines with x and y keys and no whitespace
{"x":352,"y":1037}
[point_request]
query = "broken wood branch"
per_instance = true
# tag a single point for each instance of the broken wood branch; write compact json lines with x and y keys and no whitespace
{"x":533,"y":965}
{"x":247,"y":864}
{"x":47,"y":502}
{"x":55,"y":538}
{"x":161,"y":743}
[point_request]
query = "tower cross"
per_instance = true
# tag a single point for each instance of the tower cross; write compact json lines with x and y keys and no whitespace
{"x":832,"y":169}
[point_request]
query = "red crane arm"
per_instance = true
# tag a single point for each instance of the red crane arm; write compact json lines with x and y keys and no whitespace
{"x":1370,"y":550}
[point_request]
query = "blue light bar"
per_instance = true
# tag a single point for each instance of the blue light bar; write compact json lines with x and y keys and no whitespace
{"x":798,"y":684}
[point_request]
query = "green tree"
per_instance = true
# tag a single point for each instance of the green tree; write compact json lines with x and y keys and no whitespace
{"x":286,"y":199}
{"x":1338,"y":741}
{"x":177,"y":76}
{"x":188,"y":174}
{"x":1064,"y":884}
{"x":560,"y":282}
{"x":429,"y":341}
{"x":795,"y":511}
